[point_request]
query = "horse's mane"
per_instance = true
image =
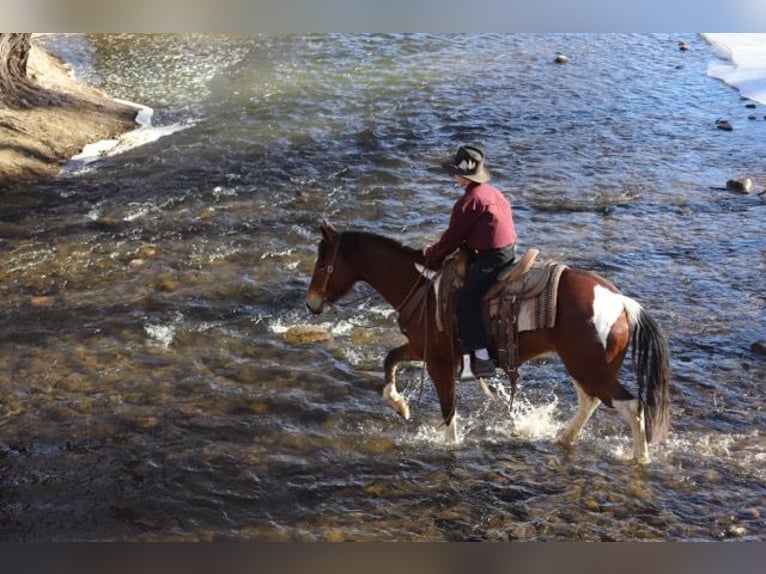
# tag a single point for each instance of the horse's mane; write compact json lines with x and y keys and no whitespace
{"x":351,"y":241}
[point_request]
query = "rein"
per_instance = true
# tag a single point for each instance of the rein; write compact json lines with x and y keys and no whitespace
{"x":408,"y":303}
{"x":406,"y":309}
{"x":409,"y":295}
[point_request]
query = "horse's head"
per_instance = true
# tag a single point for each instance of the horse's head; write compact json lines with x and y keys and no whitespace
{"x":332,"y":276}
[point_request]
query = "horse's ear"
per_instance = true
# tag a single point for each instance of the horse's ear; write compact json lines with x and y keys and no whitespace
{"x":328,"y":230}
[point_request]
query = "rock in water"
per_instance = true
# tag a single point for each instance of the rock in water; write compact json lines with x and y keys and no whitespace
{"x":724,"y":125}
{"x":306,"y":334}
{"x":744,"y":185}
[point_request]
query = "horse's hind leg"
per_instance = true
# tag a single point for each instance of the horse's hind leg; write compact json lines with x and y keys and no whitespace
{"x":632,"y":411}
{"x":586,"y":406}
{"x":390,"y":394}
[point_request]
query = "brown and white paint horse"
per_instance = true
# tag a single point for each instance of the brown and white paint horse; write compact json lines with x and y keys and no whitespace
{"x":595,"y":326}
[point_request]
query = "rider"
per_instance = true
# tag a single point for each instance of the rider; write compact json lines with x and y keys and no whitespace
{"x":482,"y":220}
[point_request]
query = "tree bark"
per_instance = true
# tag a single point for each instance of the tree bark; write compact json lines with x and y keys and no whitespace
{"x":14,"y":53}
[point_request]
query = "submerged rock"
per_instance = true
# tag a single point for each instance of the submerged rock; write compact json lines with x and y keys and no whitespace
{"x":306,"y":334}
{"x":759,"y":347}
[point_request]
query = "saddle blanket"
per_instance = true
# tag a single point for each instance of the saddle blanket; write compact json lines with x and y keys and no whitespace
{"x":539,"y":312}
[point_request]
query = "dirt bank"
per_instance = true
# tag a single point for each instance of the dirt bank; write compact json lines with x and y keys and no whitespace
{"x":66,"y":114}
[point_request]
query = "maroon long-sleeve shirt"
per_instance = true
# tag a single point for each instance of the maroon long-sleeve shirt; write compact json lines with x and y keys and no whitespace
{"x":482,"y":219}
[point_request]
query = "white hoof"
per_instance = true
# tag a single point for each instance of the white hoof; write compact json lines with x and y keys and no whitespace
{"x":643,"y":459}
{"x":396,"y":401}
{"x":567,"y":439}
{"x":403,"y":408}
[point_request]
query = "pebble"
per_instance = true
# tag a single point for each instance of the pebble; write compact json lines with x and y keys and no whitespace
{"x":592,"y":504}
{"x":259,"y":407}
{"x":749,"y":513}
{"x":167,"y":284}
{"x":107,"y":223}
{"x":147,"y":252}
{"x":523,"y":531}
{"x":736,"y":530}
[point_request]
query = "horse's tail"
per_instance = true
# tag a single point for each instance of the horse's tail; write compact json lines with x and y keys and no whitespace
{"x":652,"y":369}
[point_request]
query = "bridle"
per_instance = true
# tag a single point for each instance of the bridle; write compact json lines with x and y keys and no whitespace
{"x":330,"y":268}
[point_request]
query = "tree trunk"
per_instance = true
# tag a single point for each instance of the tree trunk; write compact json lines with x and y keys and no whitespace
{"x":14,"y":52}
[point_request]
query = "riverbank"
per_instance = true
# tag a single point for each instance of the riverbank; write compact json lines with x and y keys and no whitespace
{"x":37,"y":141}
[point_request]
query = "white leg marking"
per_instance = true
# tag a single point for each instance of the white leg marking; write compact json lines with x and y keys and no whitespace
{"x":397,"y":401}
{"x":586,"y":406}
{"x":607,"y":307}
{"x":632,"y":412}
{"x":450,"y":431}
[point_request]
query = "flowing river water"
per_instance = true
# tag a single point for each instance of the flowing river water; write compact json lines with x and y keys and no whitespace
{"x":148,"y":390}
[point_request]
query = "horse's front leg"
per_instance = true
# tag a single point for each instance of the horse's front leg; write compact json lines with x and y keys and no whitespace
{"x":443,"y":376}
{"x":391,"y":363}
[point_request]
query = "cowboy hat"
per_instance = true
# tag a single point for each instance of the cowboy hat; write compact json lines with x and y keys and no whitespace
{"x":468,"y":163}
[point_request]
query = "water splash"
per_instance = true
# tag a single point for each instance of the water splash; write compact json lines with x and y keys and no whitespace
{"x":161,"y":334}
{"x":536,"y":422}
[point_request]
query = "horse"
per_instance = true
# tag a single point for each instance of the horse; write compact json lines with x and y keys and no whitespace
{"x":594,"y":327}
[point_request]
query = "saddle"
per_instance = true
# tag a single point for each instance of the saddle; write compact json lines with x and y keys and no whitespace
{"x":523,"y":298}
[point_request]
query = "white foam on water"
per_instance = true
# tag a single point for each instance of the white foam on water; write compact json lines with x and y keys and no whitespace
{"x":381,"y":311}
{"x":144,"y":134}
{"x":744,"y":63}
{"x":162,"y":334}
{"x":537,"y":421}
{"x":279,"y":327}
{"x":339,"y":329}
{"x":525,"y":419}
{"x":746,"y":450}
{"x":220,"y":191}
{"x":433,"y":435}
{"x":138,"y":210}
{"x":277,"y":254}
